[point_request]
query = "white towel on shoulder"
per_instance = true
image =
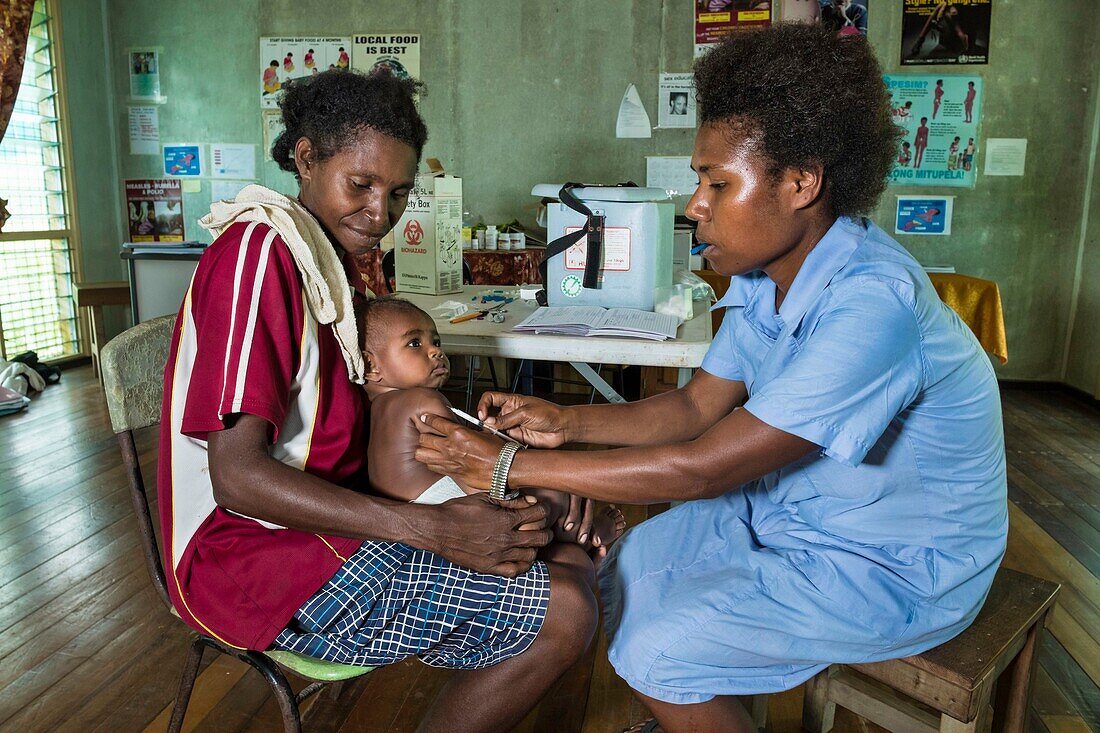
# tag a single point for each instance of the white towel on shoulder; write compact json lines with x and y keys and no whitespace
{"x":326,"y":284}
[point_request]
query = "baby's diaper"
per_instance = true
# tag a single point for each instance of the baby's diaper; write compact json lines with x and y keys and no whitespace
{"x":442,"y":490}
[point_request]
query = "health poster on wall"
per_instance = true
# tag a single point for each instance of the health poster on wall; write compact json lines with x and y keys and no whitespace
{"x":675,"y":101}
{"x":846,"y":17}
{"x":154,"y":210}
{"x":272,"y":121}
{"x":941,"y":32}
{"x":927,"y":215}
{"x":940,"y":115}
{"x":716,"y":18}
{"x":183,"y":160}
{"x":399,"y":53}
{"x":145,"y":74}
{"x":283,"y":59}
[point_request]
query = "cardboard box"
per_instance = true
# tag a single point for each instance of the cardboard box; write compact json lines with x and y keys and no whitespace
{"x":428,"y":237}
{"x":681,"y":249}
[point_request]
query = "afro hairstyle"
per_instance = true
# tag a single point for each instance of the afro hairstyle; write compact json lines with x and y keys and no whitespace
{"x":333,"y":107}
{"x":803,"y":95}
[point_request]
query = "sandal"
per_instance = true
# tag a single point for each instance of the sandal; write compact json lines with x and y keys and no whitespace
{"x":646,"y":726}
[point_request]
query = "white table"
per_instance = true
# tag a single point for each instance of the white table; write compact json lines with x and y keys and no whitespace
{"x":485,"y":338}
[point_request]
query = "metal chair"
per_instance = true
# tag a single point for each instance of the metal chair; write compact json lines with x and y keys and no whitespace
{"x":132,"y":366}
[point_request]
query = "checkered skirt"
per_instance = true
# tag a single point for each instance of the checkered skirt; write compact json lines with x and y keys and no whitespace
{"x":390,"y":601}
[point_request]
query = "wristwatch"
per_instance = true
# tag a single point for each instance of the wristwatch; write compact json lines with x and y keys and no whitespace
{"x":498,"y":484}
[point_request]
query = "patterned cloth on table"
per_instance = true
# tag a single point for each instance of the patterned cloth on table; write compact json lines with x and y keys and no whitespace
{"x":507,"y":267}
{"x":515,"y":267}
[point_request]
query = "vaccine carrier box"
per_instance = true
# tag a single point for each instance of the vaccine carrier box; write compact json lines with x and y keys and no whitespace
{"x":428,"y":237}
{"x":637,"y":246}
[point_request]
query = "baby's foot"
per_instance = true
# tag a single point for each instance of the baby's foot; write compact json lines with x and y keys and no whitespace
{"x":608,"y":526}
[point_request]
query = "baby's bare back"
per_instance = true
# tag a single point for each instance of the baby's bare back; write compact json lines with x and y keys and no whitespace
{"x":392,"y":467}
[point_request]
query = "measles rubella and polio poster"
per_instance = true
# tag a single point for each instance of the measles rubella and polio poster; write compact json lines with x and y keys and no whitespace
{"x":154,"y":210}
{"x":940,"y":114}
{"x":285,"y":58}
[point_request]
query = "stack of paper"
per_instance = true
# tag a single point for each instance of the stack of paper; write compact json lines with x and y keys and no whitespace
{"x":596,"y":321}
{"x":161,"y":245}
{"x":11,"y":401}
{"x":143,"y":248}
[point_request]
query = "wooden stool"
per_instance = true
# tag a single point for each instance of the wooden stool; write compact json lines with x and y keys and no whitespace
{"x":94,"y":296}
{"x":956,"y":679}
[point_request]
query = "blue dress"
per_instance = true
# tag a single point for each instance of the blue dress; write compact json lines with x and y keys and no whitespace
{"x":882,"y":544}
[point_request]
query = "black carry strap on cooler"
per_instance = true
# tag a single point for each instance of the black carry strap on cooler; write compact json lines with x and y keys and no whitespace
{"x":593,"y":229}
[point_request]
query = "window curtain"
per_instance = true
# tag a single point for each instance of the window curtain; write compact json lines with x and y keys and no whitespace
{"x":15,"y":27}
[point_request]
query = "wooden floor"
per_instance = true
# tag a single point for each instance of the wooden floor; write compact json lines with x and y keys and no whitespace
{"x":86,"y":646}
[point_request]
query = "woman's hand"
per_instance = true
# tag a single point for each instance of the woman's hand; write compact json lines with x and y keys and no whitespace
{"x":483,"y":534}
{"x":452,"y":450}
{"x":535,"y":422}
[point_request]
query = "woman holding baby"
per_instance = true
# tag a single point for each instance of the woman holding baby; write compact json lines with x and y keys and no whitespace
{"x":271,"y":539}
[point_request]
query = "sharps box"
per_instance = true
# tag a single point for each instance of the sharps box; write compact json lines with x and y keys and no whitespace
{"x":427,"y":238}
{"x":637,"y":246}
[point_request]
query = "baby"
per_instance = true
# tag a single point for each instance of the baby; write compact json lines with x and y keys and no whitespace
{"x":406,"y":367}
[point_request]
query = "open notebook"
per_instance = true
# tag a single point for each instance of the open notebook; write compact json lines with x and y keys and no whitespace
{"x":596,"y":321}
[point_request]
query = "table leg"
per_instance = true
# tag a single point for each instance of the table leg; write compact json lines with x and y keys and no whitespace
{"x":99,"y":337}
{"x":593,"y":377}
{"x":683,"y":376}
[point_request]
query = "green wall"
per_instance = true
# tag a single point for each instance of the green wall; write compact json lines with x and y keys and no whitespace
{"x":526,"y":92}
{"x":93,"y":146}
{"x":1082,"y":368}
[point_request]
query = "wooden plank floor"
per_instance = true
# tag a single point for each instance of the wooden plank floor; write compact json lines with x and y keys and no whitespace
{"x":85,"y":644}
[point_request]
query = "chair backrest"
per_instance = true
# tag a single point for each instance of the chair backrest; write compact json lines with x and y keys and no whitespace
{"x":133,"y":373}
{"x":132,"y":364}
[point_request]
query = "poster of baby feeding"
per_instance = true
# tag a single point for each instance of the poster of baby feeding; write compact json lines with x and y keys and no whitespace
{"x":940,"y":114}
{"x":283,"y":59}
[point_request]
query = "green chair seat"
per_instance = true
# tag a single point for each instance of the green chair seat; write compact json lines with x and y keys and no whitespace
{"x":316,"y":669}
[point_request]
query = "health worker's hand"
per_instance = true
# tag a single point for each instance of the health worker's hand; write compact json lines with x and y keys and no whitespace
{"x":538,"y":423}
{"x":452,"y":450}
{"x":482,"y":534}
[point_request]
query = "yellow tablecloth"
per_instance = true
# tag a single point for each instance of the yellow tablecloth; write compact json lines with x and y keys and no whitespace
{"x":978,"y":303}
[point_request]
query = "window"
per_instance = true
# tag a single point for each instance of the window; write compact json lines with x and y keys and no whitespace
{"x":36,"y":275}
